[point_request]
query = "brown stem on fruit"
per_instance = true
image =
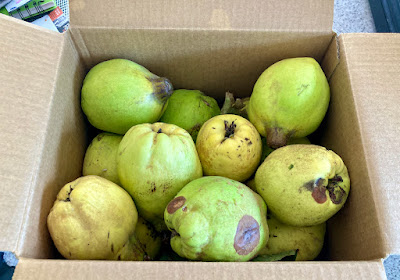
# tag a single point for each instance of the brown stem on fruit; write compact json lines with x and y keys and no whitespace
{"x":229,"y":130}
{"x":162,"y":88}
{"x":234,"y":106}
{"x":276,"y":138}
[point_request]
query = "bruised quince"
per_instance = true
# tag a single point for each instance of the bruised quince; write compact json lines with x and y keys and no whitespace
{"x":217,"y":219}
{"x":303,"y":185}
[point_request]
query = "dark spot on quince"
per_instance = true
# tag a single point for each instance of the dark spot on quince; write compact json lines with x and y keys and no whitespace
{"x":247,"y":235}
{"x":175,"y":204}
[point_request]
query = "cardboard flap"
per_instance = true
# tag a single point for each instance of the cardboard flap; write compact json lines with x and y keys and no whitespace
{"x":28,"y":66}
{"x":373,"y":62}
{"x":277,"y":15}
{"x":75,"y":270}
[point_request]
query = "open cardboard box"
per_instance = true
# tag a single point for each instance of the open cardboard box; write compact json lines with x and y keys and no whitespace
{"x":215,"y":46}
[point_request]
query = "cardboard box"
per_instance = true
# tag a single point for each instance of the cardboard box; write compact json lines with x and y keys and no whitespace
{"x":214,"y":46}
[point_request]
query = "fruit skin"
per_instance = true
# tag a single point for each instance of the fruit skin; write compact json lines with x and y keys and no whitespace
{"x":229,"y":146}
{"x":303,"y":185}
{"x":282,"y":238}
{"x":289,"y":100}
{"x":154,"y":162}
{"x":118,"y":94}
{"x":93,"y":218}
{"x":148,"y":238}
{"x":217,"y":219}
{"x":189,"y":109}
{"x":101,"y":157}
{"x":266,"y":150}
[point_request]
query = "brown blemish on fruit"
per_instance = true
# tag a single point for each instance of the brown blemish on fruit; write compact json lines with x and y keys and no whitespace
{"x":250,"y":143}
{"x":162,"y":88}
{"x":276,"y":137}
{"x":159,"y":131}
{"x":153,"y":187}
{"x":319,"y":194}
{"x":70,"y":254}
{"x":174,"y":233}
{"x":122,"y":151}
{"x":184,"y":209}
{"x":291,"y":167}
{"x":247,"y":235}
{"x":108,"y":235}
{"x":302,"y":88}
{"x":336,"y":192}
{"x":175,"y":204}
{"x":213,"y":127}
{"x":274,"y":235}
{"x":99,"y":137}
{"x":309,"y":185}
{"x":112,"y":247}
{"x":317,"y":189}
{"x":229,"y":130}
{"x":68,"y":199}
{"x":205,"y":101}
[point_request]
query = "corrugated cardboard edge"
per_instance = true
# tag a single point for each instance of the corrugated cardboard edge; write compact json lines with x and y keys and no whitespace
{"x":331,"y":58}
{"x":75,"y":270}
{"x":363,"y":52}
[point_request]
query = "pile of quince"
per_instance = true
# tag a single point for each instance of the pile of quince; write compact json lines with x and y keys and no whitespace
{"x":171,"y":170}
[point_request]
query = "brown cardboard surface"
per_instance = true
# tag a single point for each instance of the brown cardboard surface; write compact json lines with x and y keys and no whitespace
{"x":293,"y":15}
{"x":373,"y":62}
{"x":75,"y":270}
{"x":28,"y":66}
{"x":214,"y":61}
{"x":357,"y":224}
{"x":62,"y":156}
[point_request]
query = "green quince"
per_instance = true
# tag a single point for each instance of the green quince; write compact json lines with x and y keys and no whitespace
{"x":303,"y":185}
{"x":101,"y":157}
{"x":118,"y":94}
{"x":217,"y":219}
{"x":289,"y":100}
{"x":189,"y":109}
{"x":154,"y":162}
{"x":308,"y":241}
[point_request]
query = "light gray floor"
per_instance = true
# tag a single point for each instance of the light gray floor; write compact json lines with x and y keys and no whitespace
{"x":352,"y":16}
